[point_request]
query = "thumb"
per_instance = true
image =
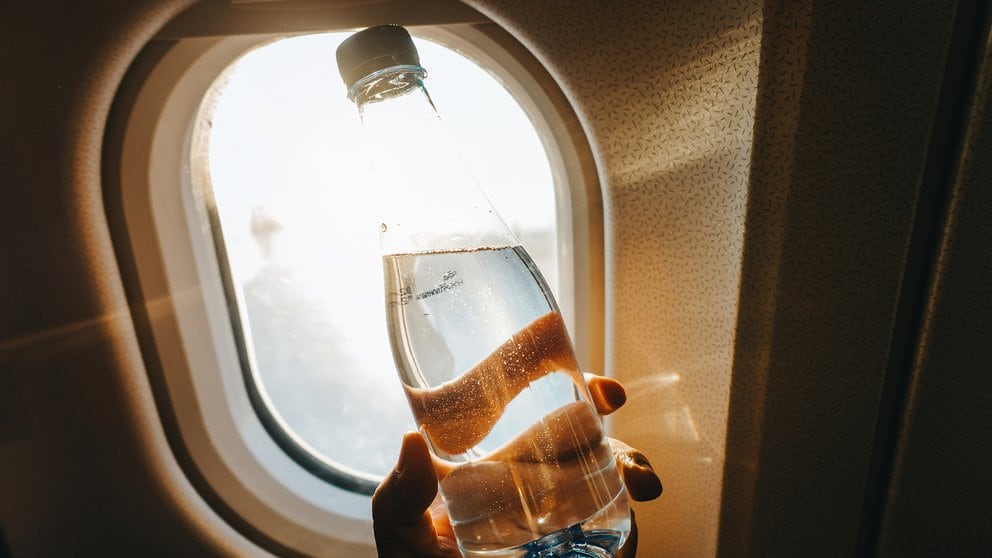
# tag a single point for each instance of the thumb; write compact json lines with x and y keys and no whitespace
{"x":404,"y":496}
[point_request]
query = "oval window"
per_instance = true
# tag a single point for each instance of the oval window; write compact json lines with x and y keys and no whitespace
{"x":296,"y":231}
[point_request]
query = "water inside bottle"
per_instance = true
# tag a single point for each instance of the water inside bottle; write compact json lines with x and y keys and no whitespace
{"x":491,"y":377}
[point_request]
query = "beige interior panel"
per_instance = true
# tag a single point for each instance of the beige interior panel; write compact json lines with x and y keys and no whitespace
{"x":666,"y":91}
{"x":844,"y":145}
{"x":85,"y":466}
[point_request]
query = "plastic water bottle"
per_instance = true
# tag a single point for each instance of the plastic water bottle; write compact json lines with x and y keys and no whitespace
{"x":480,"y":346}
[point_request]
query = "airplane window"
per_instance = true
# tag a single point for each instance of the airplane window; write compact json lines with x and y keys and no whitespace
{"x":295,"y":223}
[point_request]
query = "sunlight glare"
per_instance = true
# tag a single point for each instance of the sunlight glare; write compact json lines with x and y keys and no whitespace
{"x":301,"y":231}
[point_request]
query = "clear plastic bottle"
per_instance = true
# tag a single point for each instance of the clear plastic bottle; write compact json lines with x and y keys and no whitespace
{"x":480,"y":346}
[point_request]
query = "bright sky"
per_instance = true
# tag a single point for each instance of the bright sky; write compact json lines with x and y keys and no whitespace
{"x":282,"y":144}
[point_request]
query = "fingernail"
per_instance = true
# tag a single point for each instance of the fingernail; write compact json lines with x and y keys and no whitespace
{"x":649,"y":484}
{"x":612,"y":393}
{"x":642,"y":461}
{"x":617,"y":395}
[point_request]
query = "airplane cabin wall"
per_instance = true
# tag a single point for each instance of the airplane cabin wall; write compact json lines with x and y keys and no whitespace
{"x":666,"y":92}
{"x":845,"y":271}
{"x":84,"y":466}
{"x":775,"y":208}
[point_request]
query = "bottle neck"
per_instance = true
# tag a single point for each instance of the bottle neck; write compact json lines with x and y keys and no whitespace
{"x":429,"y":201}
{"x":399,"y":120}
{"x":387,"y":84}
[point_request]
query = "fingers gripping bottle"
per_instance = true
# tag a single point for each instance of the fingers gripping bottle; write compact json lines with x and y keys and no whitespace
{"x":480,"y":346}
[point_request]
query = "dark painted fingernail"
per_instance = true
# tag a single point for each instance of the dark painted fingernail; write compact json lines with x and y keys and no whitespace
{"x":642,"y":461}
{"x":648,"y":485}
{"x":612,"y":394}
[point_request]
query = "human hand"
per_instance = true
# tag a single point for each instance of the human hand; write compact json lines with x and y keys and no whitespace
{"x":410,"y":521}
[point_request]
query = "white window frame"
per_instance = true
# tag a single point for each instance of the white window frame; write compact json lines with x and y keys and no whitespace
{"x":184,"y":297}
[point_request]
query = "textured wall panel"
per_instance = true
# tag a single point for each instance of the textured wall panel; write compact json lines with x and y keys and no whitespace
{"x":666,"y":91}
{"x":69,"y":362}
{"x":846,"y":103}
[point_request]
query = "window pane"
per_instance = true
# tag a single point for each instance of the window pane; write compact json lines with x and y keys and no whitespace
{"x":301,"y":232}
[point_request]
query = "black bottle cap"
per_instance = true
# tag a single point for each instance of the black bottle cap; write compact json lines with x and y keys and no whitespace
{"x":374,"y":49}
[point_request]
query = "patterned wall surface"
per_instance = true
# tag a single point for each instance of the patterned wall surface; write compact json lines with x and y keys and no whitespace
{"x":844,"y":102}
{"x":666,"y":91}
{"x":848,"y":96}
